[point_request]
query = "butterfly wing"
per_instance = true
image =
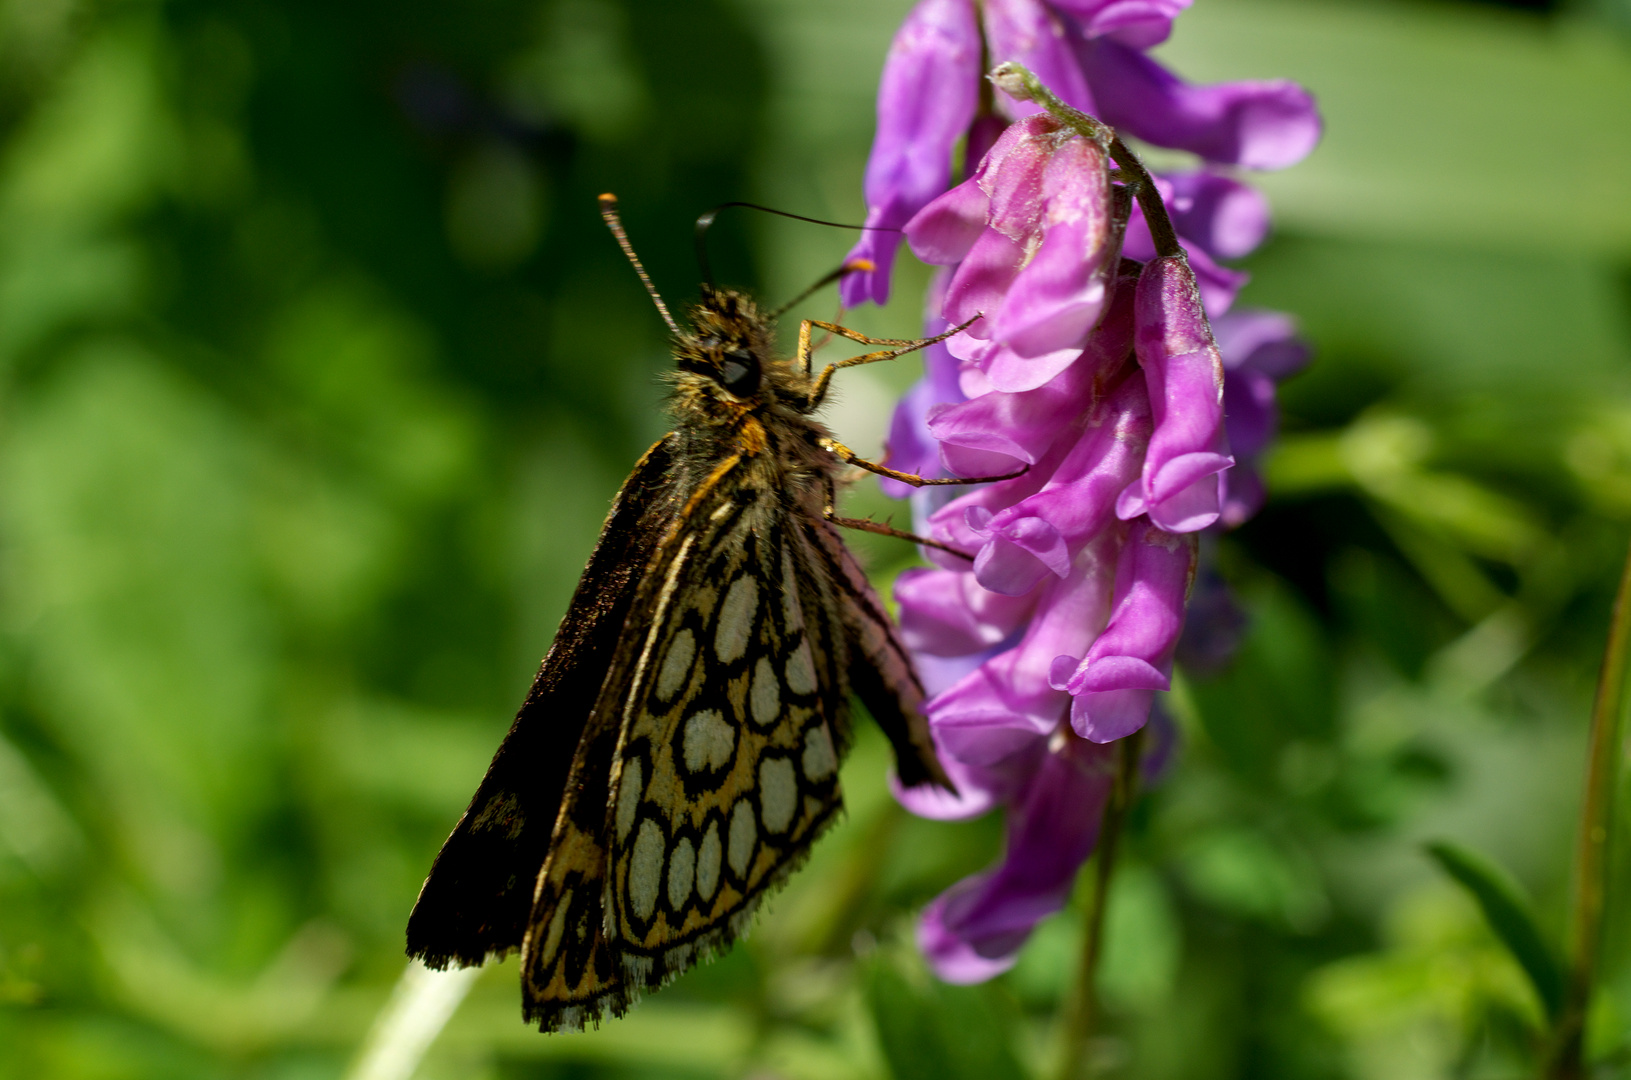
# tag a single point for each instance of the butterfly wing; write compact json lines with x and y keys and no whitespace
{"x":478,"y":897}
{"x":682,"y":774}
{"x":723,"y":766}
{"x":879,"y":669}
{"x":728,"y":765}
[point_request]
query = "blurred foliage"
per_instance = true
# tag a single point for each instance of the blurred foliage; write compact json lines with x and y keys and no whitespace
{"x":317,"y":372}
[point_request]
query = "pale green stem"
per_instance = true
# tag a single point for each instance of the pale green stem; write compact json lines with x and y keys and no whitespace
{"x":420,"y":1007}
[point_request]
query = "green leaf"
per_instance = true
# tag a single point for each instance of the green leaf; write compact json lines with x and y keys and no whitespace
{"x":1508,"y":915}
{"x":931,"y":1031}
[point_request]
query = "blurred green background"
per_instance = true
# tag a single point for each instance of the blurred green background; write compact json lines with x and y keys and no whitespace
{"x":317,"y":373}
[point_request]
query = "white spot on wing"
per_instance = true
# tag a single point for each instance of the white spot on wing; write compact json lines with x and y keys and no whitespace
{"x":708,"y":740}
{"x":743,"y":834}
{"x":629,"y":789}
{"x":708,"y":862}
{"x":676,"y":665}
{"x":819,"y":761}
{"x":681,"y":867}
{"x":766,"y":698}
{"x":645,"y":868}
{"x":736,"y":618}
{"x":801,"y":678}
{"x":557,"y":923}
{"x":778,"y":793}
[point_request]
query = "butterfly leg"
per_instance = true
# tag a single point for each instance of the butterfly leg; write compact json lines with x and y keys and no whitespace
{"x":846,"y":454}
{"x":900,"y":347}
{"x":868,"y":525}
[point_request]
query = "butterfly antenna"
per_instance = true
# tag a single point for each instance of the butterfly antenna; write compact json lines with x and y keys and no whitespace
{"x":853,"y":266}
{"x":608,"y":210}
{"x":706,"y":221}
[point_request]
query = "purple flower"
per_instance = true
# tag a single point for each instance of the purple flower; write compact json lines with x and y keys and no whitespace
{"x":1092,"y":364}
{"x":974,"y":930}
{"x":1259,"y":125}
{"x":931,"y":83}
{"x":1028,"y":32}
{"x":912,"y":446}
{"x":1112,"y":687}
{"x":1181,"y":488}
{"x":1029,"y":234}
{"x":1139,"y":23}
{"x":1259,"y":348}
{"x":1010,"y":698}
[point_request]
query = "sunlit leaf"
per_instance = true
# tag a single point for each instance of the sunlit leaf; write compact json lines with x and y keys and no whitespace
{"x":1508,"y":915}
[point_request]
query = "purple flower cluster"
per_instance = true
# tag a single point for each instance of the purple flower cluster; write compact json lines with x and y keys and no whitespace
{"x":1104,"y":363}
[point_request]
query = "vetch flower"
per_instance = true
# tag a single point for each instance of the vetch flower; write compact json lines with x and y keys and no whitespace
{"x":1030,"y":236}
{"x":1259,"y":350}
{"x":1113,"y":685}
{"x":1257,"y":125}
{"x":1094,"y":369}
{"x":1139,"y":23}
{"x":931,"y":83}
{"x":974,"y":930}
{"x":1181,"y":488}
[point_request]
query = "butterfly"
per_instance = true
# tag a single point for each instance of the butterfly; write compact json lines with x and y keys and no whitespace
{"x":678,"y":752}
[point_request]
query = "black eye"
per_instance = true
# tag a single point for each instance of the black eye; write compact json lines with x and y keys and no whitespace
{"x":739,"y":371}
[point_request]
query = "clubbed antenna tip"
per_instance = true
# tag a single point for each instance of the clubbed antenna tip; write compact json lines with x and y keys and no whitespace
{"x":608,"y":210}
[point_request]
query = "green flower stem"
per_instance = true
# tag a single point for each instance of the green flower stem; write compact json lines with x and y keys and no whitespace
{"x":1591,"y":857}
{"x":1018,"y":82}
{"x":1082,"y":1009}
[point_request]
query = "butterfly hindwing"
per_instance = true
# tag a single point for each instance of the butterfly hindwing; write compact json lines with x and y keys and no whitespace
{"x":569,"y":970}
{"x":727,"y":767}
{"x":478,"y":896}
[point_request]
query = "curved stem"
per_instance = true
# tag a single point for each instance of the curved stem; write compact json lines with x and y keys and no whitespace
{"x":1591,"y":855}
{"x":1082,"y":1009}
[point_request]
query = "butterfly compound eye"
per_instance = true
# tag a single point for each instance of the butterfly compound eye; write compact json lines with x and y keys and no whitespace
{"x":739,"y":371}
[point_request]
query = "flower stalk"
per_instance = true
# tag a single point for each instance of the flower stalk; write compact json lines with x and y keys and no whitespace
{"x":1082,"y":1009}
{"x":1596,"y":819}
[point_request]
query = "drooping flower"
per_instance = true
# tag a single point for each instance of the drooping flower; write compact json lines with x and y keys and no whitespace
{"x":1181,"y":485}
{"x":1091,"y":366}
{"x":1029,"y":235}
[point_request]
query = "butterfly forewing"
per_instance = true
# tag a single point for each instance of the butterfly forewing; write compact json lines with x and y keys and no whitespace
{"x":727,"y":768}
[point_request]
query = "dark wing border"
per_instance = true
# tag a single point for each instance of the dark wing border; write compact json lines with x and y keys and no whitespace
{"x":478,"y":896}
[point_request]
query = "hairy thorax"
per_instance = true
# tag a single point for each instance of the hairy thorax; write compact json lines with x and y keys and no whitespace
{"x":738,"y":403}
